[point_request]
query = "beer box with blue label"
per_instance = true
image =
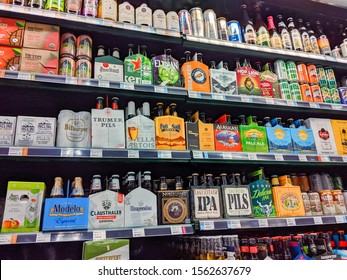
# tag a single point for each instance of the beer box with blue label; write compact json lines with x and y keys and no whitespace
{"x":303,"y":140}
{"x":279,"y":138}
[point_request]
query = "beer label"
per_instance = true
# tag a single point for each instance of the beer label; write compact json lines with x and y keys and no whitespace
{"x":196,"y":76}
{"x":303,"y":141}
{"x":144,"y":15}
{"x":262,"y":200}
{"x":170,"y":133}
{"x":263,"y":37}
{"x":223,"y":81}
{"x":324,"y":45}
{"x":207,"y":203}
{"x":126,"y":13}
{"x":248,"y":81}
{"x":288,"y":201}
{"x":250,"y":35}
{"x":314,"y":45}
{"x":276,"y":42}
{"x":306,"y":42}
{"x":108,"y":71}
{"x":296,"y":38}
{"x":227,"y":137}
{"x":140,"y":133}
{"x":165,"y":71}
{"x":269,"y":77}
{"x":280,"y":140}
{"x":108,"y":9}
{"x":237,"y":201}
{"x":138,"y":69}
{"x":253,"y":138}
{"x":286,"y":40}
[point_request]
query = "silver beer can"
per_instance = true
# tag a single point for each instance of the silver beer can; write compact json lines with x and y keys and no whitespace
{"x":222,"y":28}
{"x":197,"y":21}
{"x":336,"y":52}
{"x":210,"y":19}
{"x":343,"y":48}
{"x":316,"y":184}
{"x":327,"y":181}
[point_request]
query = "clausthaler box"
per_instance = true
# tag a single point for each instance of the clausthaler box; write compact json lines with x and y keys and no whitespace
{"x":23,"y":206}
{"x":35,"y":131}
{"x":108,"y":249}
{"x":7,"y":130}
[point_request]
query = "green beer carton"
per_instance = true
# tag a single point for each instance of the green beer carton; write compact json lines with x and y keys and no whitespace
{"x":253,"y":137}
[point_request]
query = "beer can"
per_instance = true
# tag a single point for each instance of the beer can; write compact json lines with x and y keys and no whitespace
{"x":295,"y":91}
{"x":306,"y":92}
{"x":335,"y":97}
{"x":84,"y":46}
{"x":90,"y":8}
{"x":281,"y":69}
{"x":343,"y":94}
{"x":302,"y":72}
{"x":292,"y":71}
{"x":322,"y":78}
{"x":316,"y":93}
{"x":39,"y":4}
{"x":343,"y":48}
{"x":222,"y":28}
{"x":73,"y":6}
{"x":315,"y":203}
{"x":329,"y":72}
{"x":67,"y":66}
{"x":328,"y":206}
{"x":234,"y":31}
{"x":55,"y":5}
{"x":172,"y":21}
{"x":339,"y":202}
{"x":185,"y":22}
{"x":337,"y":181}
{"x":327,"y":181}
{"x":68,"y":44}
{"x":336,"y":52}
{"x":83,"y":68}
{"x":306,"y":201}
{"x":315,"y":180}
{"x":210,"y":20}
{"x":197,"y":21}
{"x":326,"y":95}
{"x":285,"y":89}
{"x":312,"y":74}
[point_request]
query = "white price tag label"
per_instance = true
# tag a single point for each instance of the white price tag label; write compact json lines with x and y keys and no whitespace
{"x":317,"y":220}
{"x":5,"y":238}
{"x":193,"y":94}
{"x":133,"y":154}
{"x":340,"y":219}
{"x":96,"y":153}
{"x":263,"y":223}
{"x":246,"y":99}
{"x":291,"y":222}
{"x":104,"y":84}
{"x":66,"y":152}
{"x":131,"y":26}
{"x":218,"y":97}
{"x":176,"y":230}
{"x":147,"y":28}
{"x":344,"y":159}
{"x":269,"y":101}
{"x":227,"y":156}
{"x":138,"y":232}
{"x":336,"y":107}
{"x":291,"y":103}
{"x":128,"y":86}
{"x":198,"y":154}
{"x":234,"y":224}
{"x":279,"y":158}
{"x":302,"y":158}
{"x":25,"y":76}
{"x":99,"y":234}
{"x":43,"y":237}
{"x":314,"y":105}
{"x":15,"y":151}
{"x":207,"y":225}
{"x":324,"y":158}
{"x":164,"y":154}
{"x":71,"y":80}
{"x":160,"y":89}
{"x":252,"y":156}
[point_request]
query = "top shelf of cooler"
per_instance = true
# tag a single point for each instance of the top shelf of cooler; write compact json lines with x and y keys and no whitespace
{"x":113,"y":28}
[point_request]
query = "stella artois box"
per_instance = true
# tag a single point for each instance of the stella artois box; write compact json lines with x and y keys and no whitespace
{"x":106,"y":210}
{"x":7,"y":130}
{"x":140,"y":133}
{"x":173,"y":207}
{"x":206,"y":203}
{"x":237,"y":201}
{"x":108,"y":128}
{"x":140,"y":208}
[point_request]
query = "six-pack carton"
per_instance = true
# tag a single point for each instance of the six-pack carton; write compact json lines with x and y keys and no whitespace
{"x":108,"y":249}
{"x":340,"y":135}
{"x":227,"y":135}
{"x":10,"y":58}
{"x":39,"y":61}
{"x":11,"y":31}
{"x":7,"y":130}
{"x":41,"y":36}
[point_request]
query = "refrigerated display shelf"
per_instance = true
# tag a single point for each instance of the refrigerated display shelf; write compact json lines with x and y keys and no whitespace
{"x":73,"y":236}
{"x":256,"y":223}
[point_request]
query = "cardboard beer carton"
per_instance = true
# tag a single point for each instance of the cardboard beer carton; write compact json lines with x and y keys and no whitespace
{"x":248,"y":81}
{"x":108,"y":68}
{"x":41,"y":36}
{"x":340,"y":135}
{"x":10,"y":58}
{"x":323,"y":135}
{"x":35,"y":131}
{"x":7,"y":130}
{"x":23,"y":206}
{"x":227,"y":135}
{"x":288,"y":199}
{"x":303,"y":140}
{"x":108,"y":128}
{"x":253,"y":137}
{"x":11,"y":31}
{"x":279,"y":138}
{"x":223,"y":81}
{"x":269,"y":83}
{"x":108,"y":249}
{"x":39,"y":61}
{"x":138,"y":69}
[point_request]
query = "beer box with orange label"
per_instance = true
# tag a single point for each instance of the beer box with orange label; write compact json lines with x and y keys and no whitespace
{"x":288,"y":199}
{"x":11,"y":31}
{"x":41,"y":36}
{"x":170,"y":133}
{"x":227,"y":136}
{"x":340,"y":135}
{"x":39,"y":61}
{"x":10,"y":58}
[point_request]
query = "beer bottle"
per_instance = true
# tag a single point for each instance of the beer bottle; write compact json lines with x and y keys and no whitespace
{"x":323,"y":41}
{"x":274,"y":181}
{"x":290,"y":123}
{"x":238,"y":64}
{"x":217,"y":181}
{"x":99,"y":102}
{"x":160,"y":109}
{"x":114,"y":184}
{"x":115,"y":53}
{"x":285,"y":248}
{"x":95,"y":185}
{"x":178,"y":183}
{"x":313,"y":38}
{"x":162,"y":183}
{"x":270,"y":248}
{"x":57,"y":189}
{"x":224,"y":179}
{"x":295,"y":34}
{"x":285,"y":35}
{"x":242,"y":119}
{"x":305,"y":37}
{"x":195,"y":179}
{"x":131,"y":181}
{"x":342,"y":240}
{"x":146,"y":110}
{"x":172,"y":110}
{"x":262,"y":249}
{"x":189,"y":116}
{"x":202,"y":117}
{"x":187,"y":55}
{"x":190,"y":181}
{"x":253,"y":250}
{"x":245,"y":255}
{"x":267,"y":122}
{"x":147,"y":180}
{"x":101,"y":51}
{"x":275,"y":38}
{"x":326,"y":237}
{"x":209,"y":180}
{"x":226,"y":66}
{"x":212,"y":65}
{"x":263,"y":36}
{"x":115,"y":101}
{"x":77,"y":188}
{"x":237,"y":181}
{"x":203,"y":247}
{"x":131,"y":110}
{"x":248,"y":31}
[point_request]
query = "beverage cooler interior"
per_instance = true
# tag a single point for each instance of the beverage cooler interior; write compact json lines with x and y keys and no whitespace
{"x":274,"y":106}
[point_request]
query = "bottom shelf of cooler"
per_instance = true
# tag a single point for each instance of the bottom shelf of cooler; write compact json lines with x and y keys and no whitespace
{"x":66,"y":236}
{"x":247,"y":223}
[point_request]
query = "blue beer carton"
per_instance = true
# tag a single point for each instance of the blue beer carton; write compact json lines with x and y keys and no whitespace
{"x":303,"y":139}
{"x":279,"y":138}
